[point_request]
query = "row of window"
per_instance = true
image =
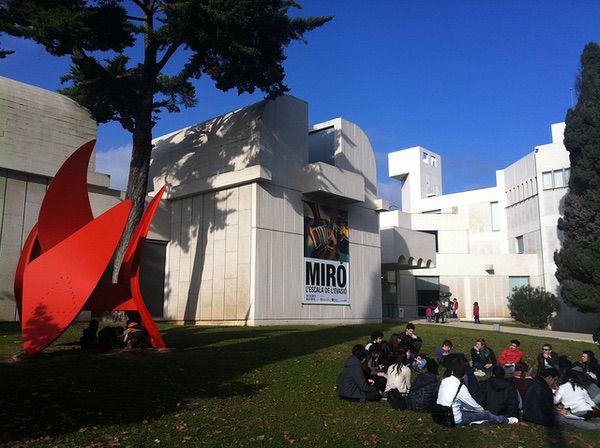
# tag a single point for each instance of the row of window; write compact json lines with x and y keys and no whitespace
{"x":556,"y":178}
{"x":521,"y":191}
{"x":429,"y":159}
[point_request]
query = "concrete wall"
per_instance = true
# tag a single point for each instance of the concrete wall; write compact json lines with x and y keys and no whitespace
{"x":236,"y":250}
{"x":467,"y":243}
{"x":38,"y":131}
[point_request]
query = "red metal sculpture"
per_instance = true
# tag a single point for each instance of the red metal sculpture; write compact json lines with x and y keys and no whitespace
{"x":66,"y":254}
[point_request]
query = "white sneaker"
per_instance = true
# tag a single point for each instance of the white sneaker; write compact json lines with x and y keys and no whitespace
{"x":479,"y":373}
{"x":480,"y":423}
{"x":513,"y":420}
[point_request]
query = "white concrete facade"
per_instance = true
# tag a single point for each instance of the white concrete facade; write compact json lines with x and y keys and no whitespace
{"x":237,"y":182}
{"x":38,"y":131}
{"x":488,"y":239}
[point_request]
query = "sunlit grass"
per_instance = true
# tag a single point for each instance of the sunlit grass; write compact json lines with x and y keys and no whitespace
{"x":232,"y":386}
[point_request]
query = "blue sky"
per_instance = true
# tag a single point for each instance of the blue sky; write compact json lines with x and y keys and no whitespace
{"x":478,"y":82}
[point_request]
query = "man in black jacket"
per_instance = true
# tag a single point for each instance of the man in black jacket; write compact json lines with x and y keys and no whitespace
{"x":539,"y":401}
{"x":411,"y":344}
{"x":547,"y":359}
{"x":352,"y":385}
{"x":498,"y":395}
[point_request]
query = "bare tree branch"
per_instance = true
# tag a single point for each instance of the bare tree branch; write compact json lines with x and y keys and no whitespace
{"x":170,"y":51}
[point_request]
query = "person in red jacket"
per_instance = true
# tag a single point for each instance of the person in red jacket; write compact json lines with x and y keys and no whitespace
{"x":510,"y":357}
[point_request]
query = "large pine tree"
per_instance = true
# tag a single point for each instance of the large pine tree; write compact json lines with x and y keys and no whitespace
{"x":578,"y":261}
{"x":238,"y":43}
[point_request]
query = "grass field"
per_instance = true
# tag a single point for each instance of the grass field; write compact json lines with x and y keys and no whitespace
{"x":233,"y":386}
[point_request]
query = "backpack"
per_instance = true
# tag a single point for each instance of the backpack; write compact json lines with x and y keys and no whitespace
{"x":396,"y":399}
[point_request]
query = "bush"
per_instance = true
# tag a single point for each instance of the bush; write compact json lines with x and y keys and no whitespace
{"x":532,"y":306}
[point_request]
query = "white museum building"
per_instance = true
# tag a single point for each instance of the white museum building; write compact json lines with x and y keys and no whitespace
{"x":269,"y":220}
{"x":487,"y":241}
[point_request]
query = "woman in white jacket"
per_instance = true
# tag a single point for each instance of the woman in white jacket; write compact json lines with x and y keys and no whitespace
{"x":574,"y":397}
{"x":398,"y":375}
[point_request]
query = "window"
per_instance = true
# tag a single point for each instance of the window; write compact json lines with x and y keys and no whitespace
{"x":495,"y":211}
{"x":515,"y":282}
{"x":520,"y":245}
{"x":321,"y":145}
{"x":559,"y":180}
{"x":547,"y":180}
{"x":433,"y":161}
{"x":434,"y":233}
{"x":425,"y":157}
{"x":556,"y":178}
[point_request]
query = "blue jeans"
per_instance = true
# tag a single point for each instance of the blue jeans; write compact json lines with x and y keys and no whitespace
{"x":468,"y":417}
{"x":509,"y":370}
{"x":564,"y":422}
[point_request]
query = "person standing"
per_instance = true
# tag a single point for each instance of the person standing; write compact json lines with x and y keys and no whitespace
{"x":455,"y":308}
{"x":441,"y":311}
{"x":476,"y":312}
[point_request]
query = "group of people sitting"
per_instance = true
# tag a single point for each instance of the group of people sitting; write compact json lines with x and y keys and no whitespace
{"x":110,"y":338}
{"x":561,"y":393}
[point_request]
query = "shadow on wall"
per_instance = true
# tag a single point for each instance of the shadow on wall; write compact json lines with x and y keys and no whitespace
{"x":190,"y":157}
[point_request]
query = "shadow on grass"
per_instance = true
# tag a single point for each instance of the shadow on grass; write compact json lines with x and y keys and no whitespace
{"x":67,"y":390}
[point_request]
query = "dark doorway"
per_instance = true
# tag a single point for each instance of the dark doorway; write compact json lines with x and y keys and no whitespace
{"x":152,"y":276}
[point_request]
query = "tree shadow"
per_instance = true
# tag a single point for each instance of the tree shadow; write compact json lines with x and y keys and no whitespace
{"x":65,"y":391}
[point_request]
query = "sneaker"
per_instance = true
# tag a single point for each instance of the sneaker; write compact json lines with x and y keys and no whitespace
{"x":513,"y":420}
{"x":480,"y":423}
{"x":479,"y":373}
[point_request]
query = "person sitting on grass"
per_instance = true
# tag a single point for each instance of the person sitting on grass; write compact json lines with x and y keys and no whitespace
{"x":352,"y":385}
{"x":390,"y":349}
{"x":398,"y":375}
{"x":465,"y":409}
{"x":424,"y":389}
{"x":498,"y":395}
{"x":469,"y":379}
{"x":521,"y":378}
{"x":574,"y":397}
{"x":376,"y":368}
{"x":538,"y":406}
{"x":376,"y":338}
{"x":135,"y":336}
{"x":589,"y":373}
{"x":511,"y":356}
{"x":89,"y":340}
{"x":480,"y":363}
{"x":411,"y":344}
{"x":547,"y":359}
{"x":442,"y":352}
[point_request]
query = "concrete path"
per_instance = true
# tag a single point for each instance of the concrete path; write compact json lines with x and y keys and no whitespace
{"x":579,"y":337}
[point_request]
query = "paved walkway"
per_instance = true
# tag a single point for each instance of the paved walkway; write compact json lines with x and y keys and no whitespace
{"x":579,"y":337}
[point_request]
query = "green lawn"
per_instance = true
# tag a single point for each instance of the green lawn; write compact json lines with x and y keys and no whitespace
{"x":266,"y":386}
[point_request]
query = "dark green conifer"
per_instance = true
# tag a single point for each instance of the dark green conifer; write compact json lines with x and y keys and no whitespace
{"x":578,"y":261}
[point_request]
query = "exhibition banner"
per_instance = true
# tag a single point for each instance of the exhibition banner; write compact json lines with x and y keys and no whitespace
{"x":326,"y":255}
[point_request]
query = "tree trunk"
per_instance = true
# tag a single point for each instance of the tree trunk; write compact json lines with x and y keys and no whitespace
{"x":136,"y":188}
{"x":142,"y":140}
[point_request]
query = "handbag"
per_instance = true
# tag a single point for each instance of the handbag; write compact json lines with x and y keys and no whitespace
{"x":396,"y":399}
{"x":443,"y":415}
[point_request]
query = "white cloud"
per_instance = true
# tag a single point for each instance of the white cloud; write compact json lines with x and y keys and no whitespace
{"x":390,"y":190}
{"x":115,"y":161}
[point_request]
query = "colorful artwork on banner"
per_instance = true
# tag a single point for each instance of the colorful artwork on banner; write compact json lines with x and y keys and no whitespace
{"x":326,"y":254}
